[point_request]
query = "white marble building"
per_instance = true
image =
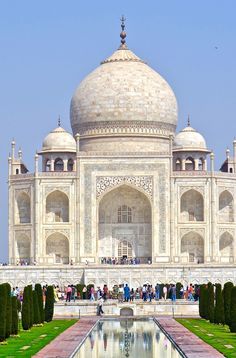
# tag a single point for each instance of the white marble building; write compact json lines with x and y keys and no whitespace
{"x":124,"y":185}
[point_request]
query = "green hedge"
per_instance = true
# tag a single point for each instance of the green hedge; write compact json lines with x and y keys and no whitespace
{"x":232,"y":325}
{"x":37,"y":319}
{"x":211,"y":307}
{"x":227,"y":300}
{"x":26,"y":318}
{"x":3,"y":311}
{"x":8,"y":310}
{"x":38,"y":289}
{"x":49,"y":304}
{"x":14,"y":327}
{"x":219,"y":316}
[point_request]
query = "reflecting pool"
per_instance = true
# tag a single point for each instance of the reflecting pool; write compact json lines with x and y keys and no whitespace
{"x":127,"y":338}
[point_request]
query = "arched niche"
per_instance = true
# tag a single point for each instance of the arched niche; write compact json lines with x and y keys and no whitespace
{"x":57,"y":246}
{"x":58,"y":165}
{"x":22,"y":208}
{"x":57,"y":207}
{"x":226,"y":244}
{"x":125,"y":224}
{"x":22,"y":248}
{"x":70,"y":165}
{"x":192,"y":246}
{"x":189,"y":164}
{"x":226,"y":207}
{"x":178,"y":164}
{"x":192,"y":206}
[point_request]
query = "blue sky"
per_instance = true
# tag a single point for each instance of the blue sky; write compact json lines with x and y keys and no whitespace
{"x":47,"y":47}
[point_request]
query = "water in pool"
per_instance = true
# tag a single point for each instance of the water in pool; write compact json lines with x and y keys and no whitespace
{"x":127,"y":338}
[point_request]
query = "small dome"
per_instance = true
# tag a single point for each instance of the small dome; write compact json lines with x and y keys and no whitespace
{"x":59,"y":140}
{"x":189,"y":138}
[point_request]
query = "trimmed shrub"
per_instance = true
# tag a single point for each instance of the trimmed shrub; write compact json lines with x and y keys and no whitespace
{"x":26,"y":309}
{"x":36,"y":308}
{"x":88,"y":291}
{"x":178,"y":288}
{"x":31,"y":305}
{"x":18,"y":305}
{"x":49,"y":304}
{"x":232,"y":325}
{"x":211,"y":303}
{"x":202,"y":301}
{"x":3,"y":310}
{"x":227,"y":300}
{"x":38,"y":289}
{"x":8,"y":310}
{"x":219,"y":316}
{"x":15,"y":318}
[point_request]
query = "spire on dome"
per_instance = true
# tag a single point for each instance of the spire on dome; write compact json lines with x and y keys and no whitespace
{"x":188,"y":123}
{"x":123,"y":45}
{"x":59,"y":121}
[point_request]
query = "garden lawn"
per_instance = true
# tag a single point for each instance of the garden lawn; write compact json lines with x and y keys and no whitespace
{"x":30,"y":342}
{"x":217,"y":336}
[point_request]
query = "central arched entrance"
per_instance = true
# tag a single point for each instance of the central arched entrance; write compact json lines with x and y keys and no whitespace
{"x":125,"y":225}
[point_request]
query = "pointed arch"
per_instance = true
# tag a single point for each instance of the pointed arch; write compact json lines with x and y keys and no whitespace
{"x":23,"y":208}
{"x":57,"y":207}
{"x":192,"y":206}
{"x":22,"y":248}
{"x":226,"y":207}
{"x":58,"y":165}
{"x":189,"y":164}
{"x":57,"y":245}
{"x":125,"y":224}
{"x":192,"y":245}
{"x":226,"y":244}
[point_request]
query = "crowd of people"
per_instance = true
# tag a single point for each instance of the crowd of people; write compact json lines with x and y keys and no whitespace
{"x":125,"y":261}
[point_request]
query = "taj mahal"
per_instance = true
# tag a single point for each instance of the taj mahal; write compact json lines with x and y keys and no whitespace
{"x":124,"y":186}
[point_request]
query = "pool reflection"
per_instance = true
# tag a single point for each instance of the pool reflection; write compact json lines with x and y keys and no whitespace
{"x":127,"y":338}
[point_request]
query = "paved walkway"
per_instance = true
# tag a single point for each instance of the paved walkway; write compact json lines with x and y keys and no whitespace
{"x":65,"y":344}
{"x":190,"y":345}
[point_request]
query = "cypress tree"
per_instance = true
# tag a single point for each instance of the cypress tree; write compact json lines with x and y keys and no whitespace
{"x":227,"y":300}
{"x":211,"y":303}
{"x":202,"y":298}
{"x":8,"y":310}
{"x":219,"y":316}
{"x":31,"y":305}
{"x":26,"y":309}
{"x":38,"y":289}
{"x":178,"y":288}
{"x":15,"y":319}
{"x":232,"y":325}
{"x":36,"y":308}
{"x":49,"y":304}
{"x":3,"y":310}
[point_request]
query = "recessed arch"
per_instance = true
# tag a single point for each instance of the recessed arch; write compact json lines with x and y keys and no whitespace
{"x":23,"y":208}
{"x":135,"y":230}
{"x":192,"y":206}
{"x":226,"y":207}
{"x":22,"y":248}
{"x":178,"y":164}
{"x":57,"y":246}
{"x":226,"y":244}
{"x":192,"y":246}
{"x":189,"y":164}
{"x":70,"y":165}
{"x":57,"y":207}
{"x":58,"y":165}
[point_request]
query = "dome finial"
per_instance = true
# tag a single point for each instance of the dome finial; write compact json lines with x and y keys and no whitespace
{"x":123,"y":33}
{"x":59,"y":121}
{"x":188,"y":123}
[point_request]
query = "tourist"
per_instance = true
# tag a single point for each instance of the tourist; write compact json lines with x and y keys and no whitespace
{"x":99,"y":293}
{"x":157,"y":292}
{"x":105,"y":292}
{"x":132,"y":295}
{"x":144,"y":293}
{"x":99,"y":307}
{"x":92,"y":291}
{"x":165,"y":292}
{"x":120,"y":294}
{"x":68,"y":293}
{"x":84,"y":292}
{"x":73,"y":293}
{"x":126,"y":292}
{"x":173,"y":293}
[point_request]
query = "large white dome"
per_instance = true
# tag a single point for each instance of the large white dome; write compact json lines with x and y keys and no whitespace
{"x":123,"y":96}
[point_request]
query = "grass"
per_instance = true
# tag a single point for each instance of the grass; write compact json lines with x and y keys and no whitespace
{"x":30,"y":342}
{"x":217,"y":336}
